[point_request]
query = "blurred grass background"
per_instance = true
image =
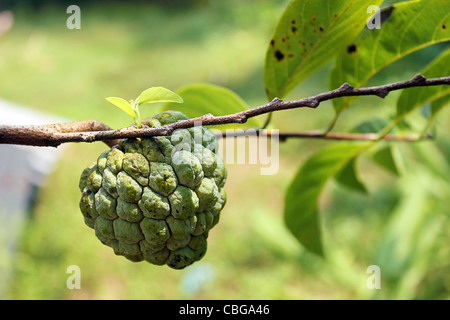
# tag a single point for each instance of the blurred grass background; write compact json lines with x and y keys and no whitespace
{"x":125,"y":47}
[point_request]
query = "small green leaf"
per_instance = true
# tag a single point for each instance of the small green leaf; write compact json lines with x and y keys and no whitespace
{"x":301,"y":212}
{"x":158,"y":94}
{"x":347,"y":177}
{"x":123,"y":104}
{"x":203,"y":98}
{"x":308,"y":35}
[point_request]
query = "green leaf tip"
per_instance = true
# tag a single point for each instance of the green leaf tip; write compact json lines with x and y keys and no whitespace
{"x":307,"y":36}
{"x":158,"y":94}
{"x":151,"y":95}
{"x":122,"y":104}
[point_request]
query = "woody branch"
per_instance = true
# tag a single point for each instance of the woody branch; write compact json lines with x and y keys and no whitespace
{"x":89,"y":131}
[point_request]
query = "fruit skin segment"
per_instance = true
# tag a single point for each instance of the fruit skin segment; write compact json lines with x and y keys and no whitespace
{"x":156,"y":199}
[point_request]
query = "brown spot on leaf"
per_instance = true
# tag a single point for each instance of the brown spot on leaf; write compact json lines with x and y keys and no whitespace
{"x":294,"y":29}
{"x":293,"y":21}
{"x":321,"y":29}
{"x":351,"y":48}
{"x":272,"y":42}
{"x":279,"y":55}
{"x":444,"y":26}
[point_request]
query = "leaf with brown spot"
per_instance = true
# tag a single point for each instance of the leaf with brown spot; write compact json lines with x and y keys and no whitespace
{"x":406,"y":27}
{"x":308,"y":35}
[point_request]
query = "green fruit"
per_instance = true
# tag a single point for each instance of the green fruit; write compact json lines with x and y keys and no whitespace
{"x":156,"y":199}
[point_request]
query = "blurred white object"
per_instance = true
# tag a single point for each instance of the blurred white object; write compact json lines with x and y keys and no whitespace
{"x":196,"y":278}
{"x":23,"y":170}
{"x":6,"y":21}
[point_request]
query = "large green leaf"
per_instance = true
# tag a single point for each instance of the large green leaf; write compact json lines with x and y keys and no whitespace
{"x":348,"y":177}
{"x":412,"y":98}
{"x":301,"y":213}
{"x":408,"y":27}
{"x":203,"y":98}
{"x":308,"y":35}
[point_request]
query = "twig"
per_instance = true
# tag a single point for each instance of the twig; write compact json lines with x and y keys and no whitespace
{"x":51,"y":135}
{"x":90,"y":131}
{"x":283,"y":136}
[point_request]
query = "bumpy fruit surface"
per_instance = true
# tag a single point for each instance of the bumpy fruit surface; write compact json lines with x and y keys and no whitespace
{"x":156,"y":198}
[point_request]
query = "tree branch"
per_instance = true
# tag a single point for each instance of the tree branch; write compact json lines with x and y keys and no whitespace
{"x":283,"y":136}
{"x":52,"y":135}
{"x":90,"y":131}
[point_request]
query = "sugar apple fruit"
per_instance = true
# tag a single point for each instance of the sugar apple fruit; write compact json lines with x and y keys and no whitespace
{"x":156,"y":198}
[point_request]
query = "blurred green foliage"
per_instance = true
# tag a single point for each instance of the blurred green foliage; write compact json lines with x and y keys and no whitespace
{"x":401,"y":225}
